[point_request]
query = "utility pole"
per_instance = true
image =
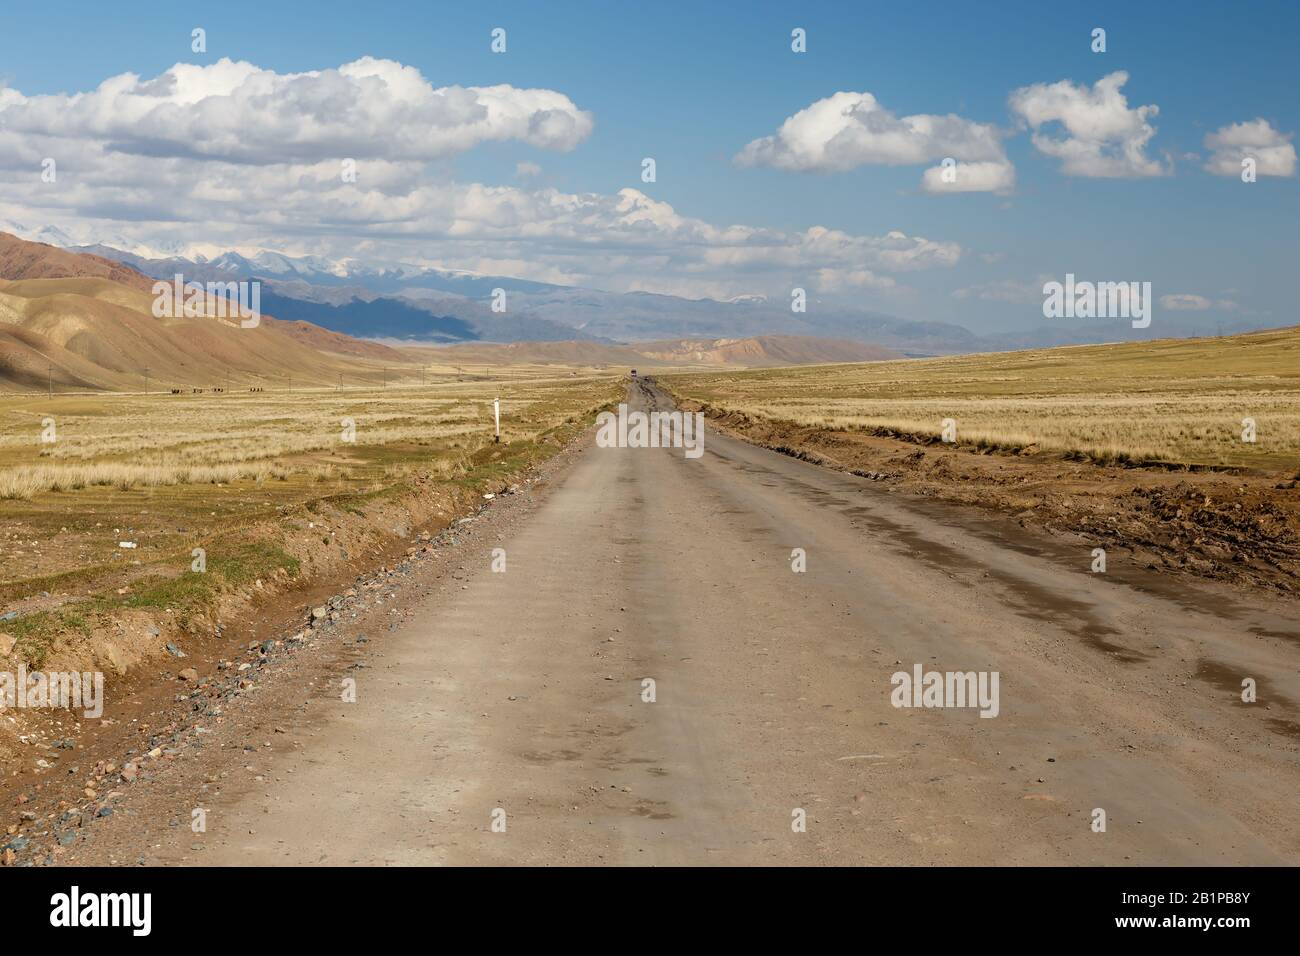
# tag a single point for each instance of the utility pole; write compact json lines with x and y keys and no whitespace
{"x":340,"y":382}
{"x":51,"y":369}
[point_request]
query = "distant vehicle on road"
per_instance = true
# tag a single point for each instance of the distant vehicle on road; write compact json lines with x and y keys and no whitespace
{"x":634,"y":373}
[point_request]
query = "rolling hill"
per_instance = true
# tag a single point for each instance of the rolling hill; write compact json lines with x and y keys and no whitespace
{"x":393,"y":300}
{"x":36,"y":260}
{"x":81,"y":321}
{"x":763,"y":351}
{"x":69,"y":320}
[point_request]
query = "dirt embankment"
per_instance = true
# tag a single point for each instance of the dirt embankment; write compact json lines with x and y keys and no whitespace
{"x":309,"y":555}
{"x":1234,"y":526}
{"x":159,"y":723}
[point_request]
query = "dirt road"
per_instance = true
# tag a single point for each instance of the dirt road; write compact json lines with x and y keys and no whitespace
{"x":521,"y":694}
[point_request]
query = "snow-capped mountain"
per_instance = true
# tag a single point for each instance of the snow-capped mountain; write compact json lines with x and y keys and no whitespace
{"x":395,"y":300}
{"x":379,"y":277}
{"x":50,"y":235}
{"x":79,"y":238}
{"x":276,"y":265}
{"x":403,"y":301}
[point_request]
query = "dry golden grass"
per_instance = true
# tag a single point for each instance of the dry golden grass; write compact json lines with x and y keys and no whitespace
{"x":1177,"y":401}
{"x":233,"y":472}
{"x":127,"y":441}
{"x":24,"y":481}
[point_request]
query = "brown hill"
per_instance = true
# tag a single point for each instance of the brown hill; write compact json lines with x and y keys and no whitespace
{"x":99,"y":334}
{"x":82,"y":321}
{"x":78,"y":321}
{"x":765,"y":351}
{"x":336,"y":343}
{"x":586,"y":354}
{"x":20,"y":259}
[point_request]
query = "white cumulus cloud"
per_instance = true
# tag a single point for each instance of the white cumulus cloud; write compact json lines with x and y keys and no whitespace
{"x":1104,"y":137}
{"x":231,"y":156}
{"x":1272,"y":151}
{"x":847,"y":130}
{"x":239,"y":112}
{"x":987,"y":177}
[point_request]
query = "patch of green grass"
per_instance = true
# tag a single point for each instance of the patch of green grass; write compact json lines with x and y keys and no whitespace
{"x":354,"y":502}
{"x":493,"y":464}
{"x":63,"y":581}
{"x":34,"y":634}
{"x":250,"y":561}
{"x":193,"y":594}
{"x":169,"y":519}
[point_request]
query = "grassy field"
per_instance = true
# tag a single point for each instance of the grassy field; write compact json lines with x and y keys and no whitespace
{"x":1176,"y":401}
{"x":174,"y":472}
{"x":128,"y":441}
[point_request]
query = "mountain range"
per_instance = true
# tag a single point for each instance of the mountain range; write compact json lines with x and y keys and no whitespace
{"x":84,"y":322}
{"x":404,"y":303}
{"x":425,"y":305}
{"x":75,"y":320}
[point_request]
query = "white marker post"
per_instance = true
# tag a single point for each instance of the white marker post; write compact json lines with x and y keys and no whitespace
{"x":496,"y":415}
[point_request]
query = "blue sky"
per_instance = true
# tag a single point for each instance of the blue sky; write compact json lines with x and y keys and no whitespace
{"x":691,"y":84}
